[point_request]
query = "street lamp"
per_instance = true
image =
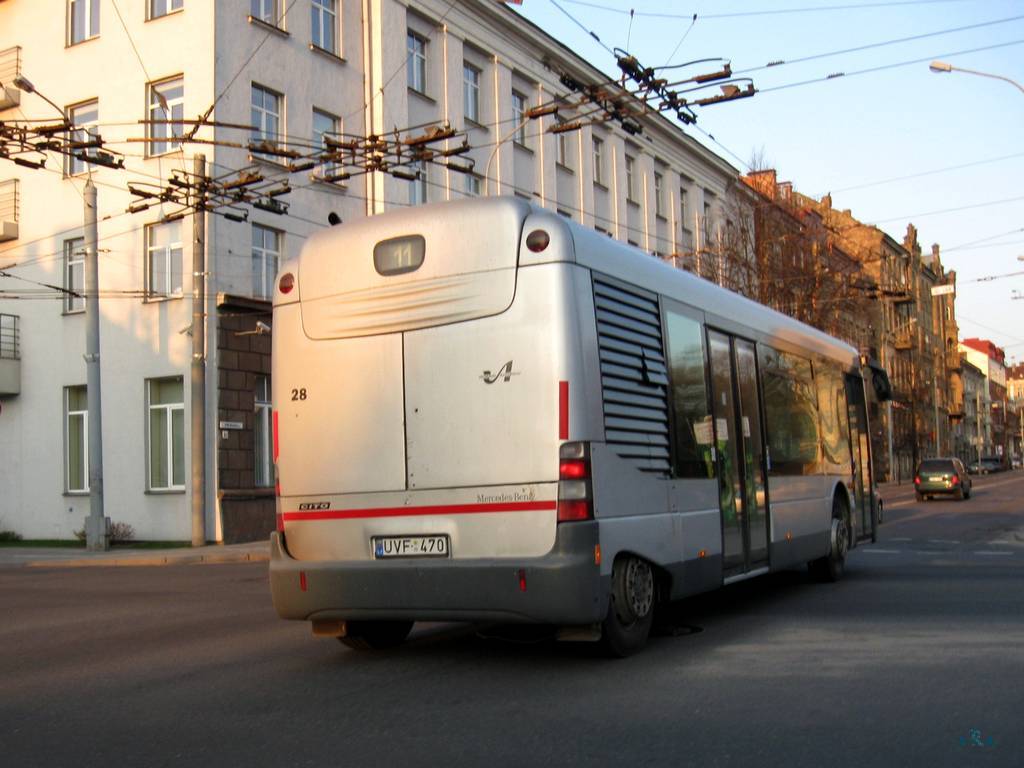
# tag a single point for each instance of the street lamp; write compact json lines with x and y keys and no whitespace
{"x":24,"y":84}
{"x":941,"y":66}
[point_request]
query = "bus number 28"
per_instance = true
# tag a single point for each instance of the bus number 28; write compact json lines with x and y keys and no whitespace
{"x":299,"y":394}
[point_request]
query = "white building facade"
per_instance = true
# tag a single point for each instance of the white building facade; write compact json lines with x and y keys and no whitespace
{"x":285,"y":73}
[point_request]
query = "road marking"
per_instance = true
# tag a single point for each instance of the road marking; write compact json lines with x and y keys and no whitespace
{"x":883,"y":551}
{"x":901,"y":538}
{"x":991,"y":553}
{"x":999,"y":543}
{"x":942,"y":541}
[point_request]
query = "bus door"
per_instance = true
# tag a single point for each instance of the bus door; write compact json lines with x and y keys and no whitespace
{"x":740,"y":453}
{"x":860,"y":450}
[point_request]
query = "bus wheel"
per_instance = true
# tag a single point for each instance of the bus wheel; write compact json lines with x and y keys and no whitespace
{"x":375,"y":635}
{"x":830,"y":567}
{"x":631,"y":608}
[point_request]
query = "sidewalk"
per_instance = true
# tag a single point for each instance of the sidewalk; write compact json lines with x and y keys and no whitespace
{"x":52,"y":557}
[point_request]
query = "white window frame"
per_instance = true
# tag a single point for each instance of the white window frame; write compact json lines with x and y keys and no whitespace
{"x":561,"y":146}
{"x":90,"y":18}
{"x":160,"y":8}
{"x":266,"y":122}
{"x":74,"y":275}
{"x":168,"y":410}
{"x":418,"y":186}
{"x":83,"y":415}
{"x":265,"y":260}
{"x":598,"y":144}
{"x":263,"y":466}
{"x":631,"y":178}
{"x":471,"y":75}
{"x":684,"y":216}
{"x":174,"y":249}
{"x":416,"y":67}
{"x":82,"y":132}
{"x":519,"y":102}
{"x":323,"y":22}
{"x":162,"y":135}
{"x":471,"y":185}
{"x":318,"y":137}
{"x":659,"y":195}
{"x":267,"y":11}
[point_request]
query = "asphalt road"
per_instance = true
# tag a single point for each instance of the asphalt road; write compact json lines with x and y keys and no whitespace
{"x":915,"y":658}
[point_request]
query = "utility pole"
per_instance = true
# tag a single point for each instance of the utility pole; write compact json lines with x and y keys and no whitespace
{"x":97,"y":537}
{"x":198,"y":379}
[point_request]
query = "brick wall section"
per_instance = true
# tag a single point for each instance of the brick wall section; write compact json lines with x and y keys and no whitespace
{"x":247,"y":511}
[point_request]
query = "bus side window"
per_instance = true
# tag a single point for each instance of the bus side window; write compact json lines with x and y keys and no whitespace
{"x":835,"y":418}
{"x":791,"y":413}
{"x":694,"y":434}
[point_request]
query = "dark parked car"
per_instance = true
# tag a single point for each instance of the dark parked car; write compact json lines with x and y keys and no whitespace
{"x":993,"y":464}
{"x":941,"y":476}
{"x":985,"y":465}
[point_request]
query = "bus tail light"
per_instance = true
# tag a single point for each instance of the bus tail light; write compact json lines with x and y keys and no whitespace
{"x":955,"y":480}
{"x":917,"y":480}
{"x":575,"y":492}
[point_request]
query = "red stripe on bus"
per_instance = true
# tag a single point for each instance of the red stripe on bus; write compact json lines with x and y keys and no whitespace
{"x":563,"y":410}
{"x":443,"y":509}
{"x":277,"y":444}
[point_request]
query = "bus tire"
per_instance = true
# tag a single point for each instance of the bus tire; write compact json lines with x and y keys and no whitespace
{"x":375,"y":635}
{"x":830,"y":567}
{"x":631,"y":607}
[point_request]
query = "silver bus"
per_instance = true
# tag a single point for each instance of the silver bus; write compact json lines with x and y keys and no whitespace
{"x":486,"y":412}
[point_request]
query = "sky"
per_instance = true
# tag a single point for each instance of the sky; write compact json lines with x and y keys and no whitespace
{"x":899,"y":145}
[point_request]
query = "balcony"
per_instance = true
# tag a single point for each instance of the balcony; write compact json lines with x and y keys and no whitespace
{"x":10,"y":356}
{"x":953,"y":360}
{"x":9,"y":210}
{"x":10,"y":68}
{"x":903,"y":340}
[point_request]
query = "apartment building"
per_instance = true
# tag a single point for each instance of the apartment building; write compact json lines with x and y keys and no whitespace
{"x":243,"y":83}
{"x":996,"y":425}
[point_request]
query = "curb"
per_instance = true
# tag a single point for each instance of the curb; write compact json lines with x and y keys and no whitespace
{"x":219,"y":558}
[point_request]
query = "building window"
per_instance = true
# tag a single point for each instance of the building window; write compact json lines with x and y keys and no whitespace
{"x":416,"y":48}
{"x":265,"y":11}
{"x":418,"y":187}
{"x":325,"y":125}
{"x":166,"y":102}
{"x":84,"y":117}
{"x":166,"y":434}
{"x":630,"y":179}
{"x":83,"y":20}
{"x":684,"y":216}
{"x":325,"y":23}
{"x":519,"y":116}
{"x":76,"y":455}
{"x":659,"y":207}
{"x":471,"y":92}
{"x":598,"y":161}
{"x":266,"y":115}
{"x":561,"y":145}
{"x":74,"y":275}
{"x":163,"y":260}
{"x":264,"y":470}
{"x":266,"y":254}
{"x":472,"y":185}
{"x":158,"y":8}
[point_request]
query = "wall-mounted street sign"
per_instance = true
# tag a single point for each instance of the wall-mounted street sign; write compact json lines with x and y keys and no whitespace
{"x":940,"y":290}
{"x":232,"y":425}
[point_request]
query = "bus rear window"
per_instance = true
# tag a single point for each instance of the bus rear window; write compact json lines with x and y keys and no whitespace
{"x":399,"y":255}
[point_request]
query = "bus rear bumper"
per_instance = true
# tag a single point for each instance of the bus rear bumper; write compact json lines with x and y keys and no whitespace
{"x":563,"y":587}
